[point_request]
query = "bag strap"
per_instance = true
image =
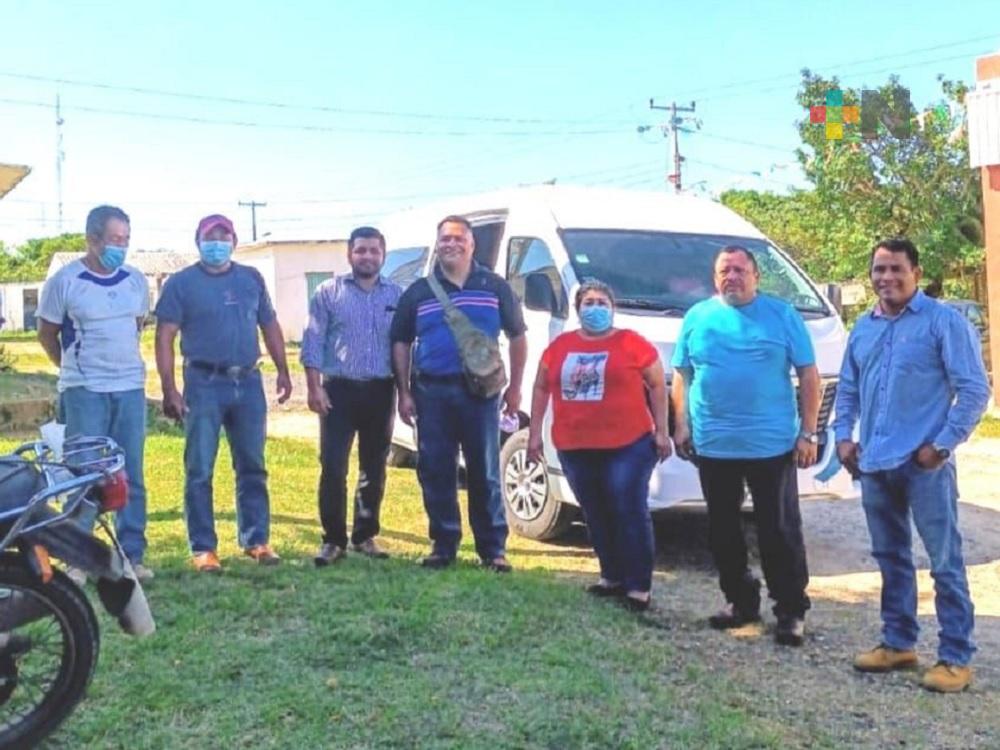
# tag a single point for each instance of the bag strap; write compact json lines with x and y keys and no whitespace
{"x":439,"y":291}
{"x":457,"y":320}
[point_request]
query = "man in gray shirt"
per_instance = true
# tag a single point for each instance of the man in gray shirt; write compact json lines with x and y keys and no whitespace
{"x":217,"y":306}
{"x":346,"y":355}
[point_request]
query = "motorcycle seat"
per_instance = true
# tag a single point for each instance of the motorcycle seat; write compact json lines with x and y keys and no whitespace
{"x":19,"y":480}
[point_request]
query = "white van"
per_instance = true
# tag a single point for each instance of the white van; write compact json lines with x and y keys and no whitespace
{"x":656,"y":252}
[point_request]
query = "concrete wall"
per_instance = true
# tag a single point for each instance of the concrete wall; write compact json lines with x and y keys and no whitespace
{"x":988,"y":68}
{"x":284,"y":266}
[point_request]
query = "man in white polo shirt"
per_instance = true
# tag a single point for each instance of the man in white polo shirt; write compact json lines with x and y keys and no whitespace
{"x":89,"y":320}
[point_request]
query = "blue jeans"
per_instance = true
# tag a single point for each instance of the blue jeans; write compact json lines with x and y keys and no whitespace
{"x":214,"y":401}
{"x":889,"y":498}
{"x":448,"y":416}
{"x":612,"y":487}
{"x":121,"y":416}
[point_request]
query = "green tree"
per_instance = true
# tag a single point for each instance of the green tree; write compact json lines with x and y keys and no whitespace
{"x":30,"y":261}
{"x":863,"y":190}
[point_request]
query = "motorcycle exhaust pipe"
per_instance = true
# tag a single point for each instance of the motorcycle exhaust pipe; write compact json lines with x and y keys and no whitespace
{"x":125,"y":600}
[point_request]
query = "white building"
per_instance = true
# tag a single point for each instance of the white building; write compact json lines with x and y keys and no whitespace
{"x":19,"y":305}
{"x":292,"y":270}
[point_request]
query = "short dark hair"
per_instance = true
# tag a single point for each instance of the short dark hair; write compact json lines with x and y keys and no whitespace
{"x":365,"y":233}
{"x":454,"y":219}
{"x":730,"y":249}
{"x":98,"y":219}
{"x":592,"y":285}
{"x":897,"y":245}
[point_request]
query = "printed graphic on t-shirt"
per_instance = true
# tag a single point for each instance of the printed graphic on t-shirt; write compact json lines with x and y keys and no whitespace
{"x":583,"y":376}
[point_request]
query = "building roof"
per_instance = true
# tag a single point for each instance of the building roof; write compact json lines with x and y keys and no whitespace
{"x":150,"y":262}
{"x":10,"y":175}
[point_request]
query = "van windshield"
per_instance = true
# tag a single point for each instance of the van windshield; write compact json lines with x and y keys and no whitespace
{"x":670,"y":272}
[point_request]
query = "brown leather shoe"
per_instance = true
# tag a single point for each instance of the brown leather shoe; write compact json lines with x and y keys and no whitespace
{"x":328,"y":554}
{"x":947,"y":678}
{"x":370,"y":548}
{"x":206,"y":562}
{"x":884,"y":658}
{"x":263,"y":554}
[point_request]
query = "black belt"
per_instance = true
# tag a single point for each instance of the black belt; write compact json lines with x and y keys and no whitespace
{"x":233,"y":371}
{"x":356,"y":381}
{"x":428,"y":378}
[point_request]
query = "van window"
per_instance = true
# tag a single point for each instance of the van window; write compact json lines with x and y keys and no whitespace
{"x":404,"y":265}
{"x":669,"y":271}
{"x":526,"y":255}
{"x":487,"y":237}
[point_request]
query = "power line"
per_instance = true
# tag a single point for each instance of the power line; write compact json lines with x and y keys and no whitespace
{"x":785,"y":76}
{"x":310,"y":128}
{"x":769,"y":146}
{"x":854,"y":74}
{"x":285,"y":105}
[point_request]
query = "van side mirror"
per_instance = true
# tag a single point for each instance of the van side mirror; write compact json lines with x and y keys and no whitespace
{"x":836,"y":297}
{"x":539,"y":294}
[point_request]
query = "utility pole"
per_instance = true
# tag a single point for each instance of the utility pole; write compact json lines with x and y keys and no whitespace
{"x":675,"y":126}
{"x":253,"y":206}
{"x":60,"y":156}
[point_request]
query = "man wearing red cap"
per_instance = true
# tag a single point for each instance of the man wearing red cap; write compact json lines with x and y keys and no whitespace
{"x":217,"y":305}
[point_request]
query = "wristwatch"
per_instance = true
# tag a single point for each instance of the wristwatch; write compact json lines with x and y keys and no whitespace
{"x":943,"y":453}
{"x":809,"y":437}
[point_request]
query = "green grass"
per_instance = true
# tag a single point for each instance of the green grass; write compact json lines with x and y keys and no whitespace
{"x":29,"y":358}
{"x":16,"y":386}
{"x":17,"y":335}
{"x":386,"y":654}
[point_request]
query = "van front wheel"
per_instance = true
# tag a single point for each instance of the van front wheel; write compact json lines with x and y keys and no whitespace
{"x":532,"y":510}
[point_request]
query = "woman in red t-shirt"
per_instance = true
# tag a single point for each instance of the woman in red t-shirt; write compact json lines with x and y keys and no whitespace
{"x":602,"y":381}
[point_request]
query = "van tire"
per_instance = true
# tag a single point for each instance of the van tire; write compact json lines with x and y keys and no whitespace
{"x":531,"y":507}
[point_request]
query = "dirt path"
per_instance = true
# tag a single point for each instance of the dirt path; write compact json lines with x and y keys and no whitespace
{"x":814,"y":688}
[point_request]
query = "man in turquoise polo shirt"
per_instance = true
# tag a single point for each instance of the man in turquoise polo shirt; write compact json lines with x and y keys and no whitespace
{"x":736,"y":418}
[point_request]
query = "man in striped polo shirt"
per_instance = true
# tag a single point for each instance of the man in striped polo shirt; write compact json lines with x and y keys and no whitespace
{"x":447,"y":414}
{"x":345,"y":352}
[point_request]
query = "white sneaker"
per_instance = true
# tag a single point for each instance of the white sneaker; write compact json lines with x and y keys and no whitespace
{"x":76,"y":575}
{"x":142,"y":573}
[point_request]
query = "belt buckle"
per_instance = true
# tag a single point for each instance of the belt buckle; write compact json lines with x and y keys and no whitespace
{"x":234,"y":372}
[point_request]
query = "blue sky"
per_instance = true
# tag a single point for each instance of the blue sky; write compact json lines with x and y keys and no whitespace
{"x":390,"y":104}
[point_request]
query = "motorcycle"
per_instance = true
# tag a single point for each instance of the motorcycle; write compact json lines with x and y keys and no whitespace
{"x":50,"y":501}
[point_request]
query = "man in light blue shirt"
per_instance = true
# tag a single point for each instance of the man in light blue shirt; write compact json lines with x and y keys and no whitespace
{"x":735,"y":415}
{"x":913,"y":375}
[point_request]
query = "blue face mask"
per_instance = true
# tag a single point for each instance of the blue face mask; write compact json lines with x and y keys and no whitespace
{"x":215,"y":252}
{"x":596,"y":318}
{"x":112,"y":257}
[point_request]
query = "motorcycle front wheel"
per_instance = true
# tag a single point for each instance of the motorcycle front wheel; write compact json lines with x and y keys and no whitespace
{"x":49,"y":642}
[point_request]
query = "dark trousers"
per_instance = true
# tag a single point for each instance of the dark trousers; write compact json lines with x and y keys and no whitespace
{"x":774,"y":488}
{"x":449,"y":417}
{"x":612,"y":487}
{"x":362,"y":407}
